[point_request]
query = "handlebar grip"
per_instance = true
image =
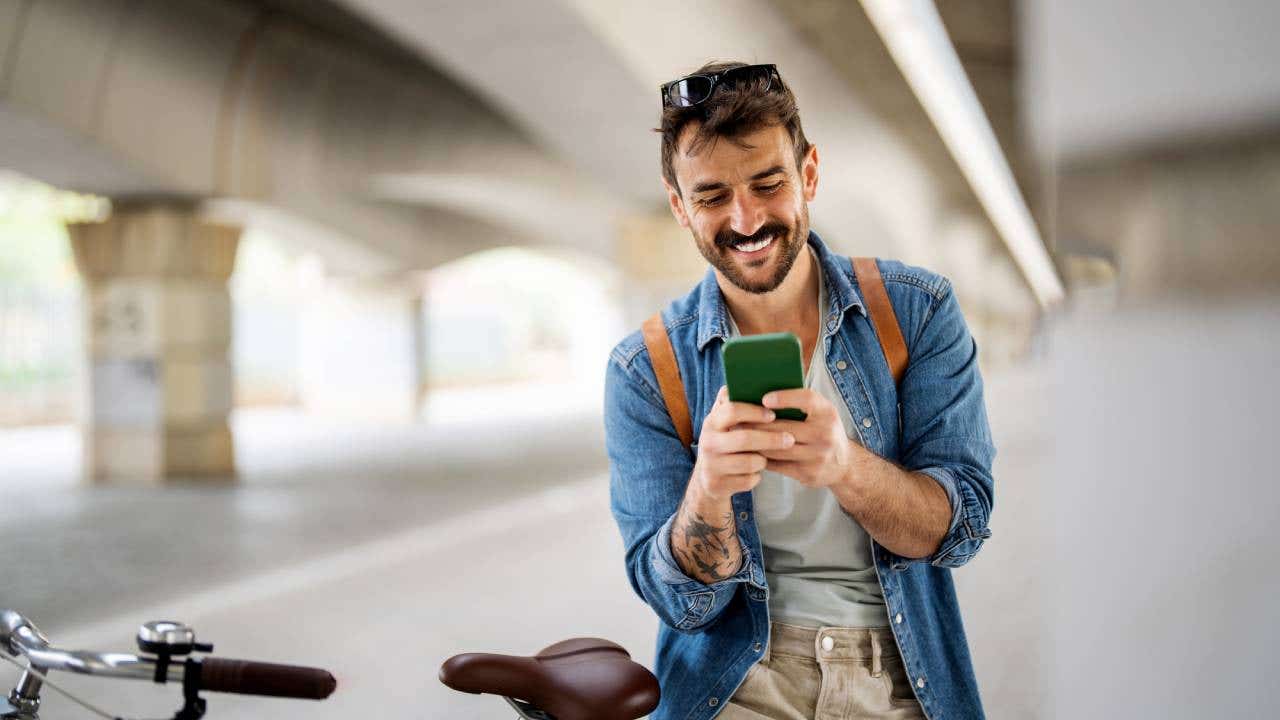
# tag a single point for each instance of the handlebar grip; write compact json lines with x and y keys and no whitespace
{"x":258,"y":678}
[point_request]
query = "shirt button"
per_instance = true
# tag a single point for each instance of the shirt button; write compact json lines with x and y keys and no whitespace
{"x":841,"y":365}
{"x":713,"y":702}
{"x":898,"y":619}
{"x":866,"y":422}
{"x":828,"y":643}
{"x":742,"y":515}
{"x":919,"y":682}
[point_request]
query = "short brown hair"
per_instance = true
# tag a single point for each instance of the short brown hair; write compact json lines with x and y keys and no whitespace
{"x":730,"y":112}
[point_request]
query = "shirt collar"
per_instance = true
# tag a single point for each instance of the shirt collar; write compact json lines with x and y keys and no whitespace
{"x":713,"y":314}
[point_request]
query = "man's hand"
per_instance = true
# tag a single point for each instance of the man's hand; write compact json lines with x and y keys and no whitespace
{"x":822,"y":455}
{"x":704,"y":536}
{"x":731,"y":448}
{"x":907,"y":512}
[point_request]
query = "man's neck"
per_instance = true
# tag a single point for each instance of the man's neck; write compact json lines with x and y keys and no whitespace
{"x":790,"y":307}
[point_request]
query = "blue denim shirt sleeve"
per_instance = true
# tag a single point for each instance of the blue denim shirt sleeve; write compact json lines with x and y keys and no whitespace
{"x":649,"y":470}
{"x":945,"y":434}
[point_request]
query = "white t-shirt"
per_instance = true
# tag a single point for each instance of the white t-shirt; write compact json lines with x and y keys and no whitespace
{"x":817,"y":558}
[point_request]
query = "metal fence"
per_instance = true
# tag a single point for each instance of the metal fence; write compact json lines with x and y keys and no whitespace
{"x":40,"y":354}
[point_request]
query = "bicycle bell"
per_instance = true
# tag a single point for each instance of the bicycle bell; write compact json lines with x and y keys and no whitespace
{"x":166,"y":637}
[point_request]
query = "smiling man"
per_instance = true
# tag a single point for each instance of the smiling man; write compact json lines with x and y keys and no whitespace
{"x":799,"y":569}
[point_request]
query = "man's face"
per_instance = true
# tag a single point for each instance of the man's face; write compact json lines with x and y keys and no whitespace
{"x":747,"y":207}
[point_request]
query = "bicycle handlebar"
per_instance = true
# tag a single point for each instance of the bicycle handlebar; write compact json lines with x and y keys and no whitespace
{"x":18,"y":636}
{"x":258,"y":678}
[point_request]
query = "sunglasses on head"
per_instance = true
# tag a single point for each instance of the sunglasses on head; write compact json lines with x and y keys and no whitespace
{"x":695,"y":89}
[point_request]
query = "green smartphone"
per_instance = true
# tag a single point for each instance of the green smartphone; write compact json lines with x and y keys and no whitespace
{"x":759,"y":364}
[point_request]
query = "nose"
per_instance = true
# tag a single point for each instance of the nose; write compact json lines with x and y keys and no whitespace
{"x":746,"y":214}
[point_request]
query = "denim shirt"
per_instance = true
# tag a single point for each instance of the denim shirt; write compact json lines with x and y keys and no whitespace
{"x":935,"y":423}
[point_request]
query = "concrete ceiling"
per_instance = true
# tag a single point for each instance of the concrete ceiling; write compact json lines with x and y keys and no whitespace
{"x":889,"y":186}
{"x":541,"y":65}
{"x":313,"y":115}
{"x":530,"y":120}
{"x":581,"y":77}
{"x":1106,"y":77}
{"x":965,"y":246}
{"x":982,"y":33}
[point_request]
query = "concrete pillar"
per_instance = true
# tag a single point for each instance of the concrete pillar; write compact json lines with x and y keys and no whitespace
{"x":362,"y":348}
{"x":158,"y":330}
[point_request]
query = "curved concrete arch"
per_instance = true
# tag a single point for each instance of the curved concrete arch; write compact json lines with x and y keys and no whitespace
{"x":200,"y":99}
{"x":410,"y":238}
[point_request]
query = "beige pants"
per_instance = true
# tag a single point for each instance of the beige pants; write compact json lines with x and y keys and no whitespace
{"x":824,"y":674}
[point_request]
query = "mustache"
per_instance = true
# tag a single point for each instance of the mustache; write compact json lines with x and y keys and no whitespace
{"x":728,"y":238}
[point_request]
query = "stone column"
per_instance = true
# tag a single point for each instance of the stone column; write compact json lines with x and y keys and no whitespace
{"x":158,"y":316}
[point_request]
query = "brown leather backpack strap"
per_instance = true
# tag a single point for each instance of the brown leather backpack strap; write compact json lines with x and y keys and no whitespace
{"x":667,"y":370}
{"x":883,"y":318}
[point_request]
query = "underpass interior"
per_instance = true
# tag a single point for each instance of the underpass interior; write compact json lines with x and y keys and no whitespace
{"x":305,"y":309}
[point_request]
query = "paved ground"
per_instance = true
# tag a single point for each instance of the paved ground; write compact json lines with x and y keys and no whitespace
{"x":383,"y":615}
{"x":307,"y":488}
{"x":378,"y":552}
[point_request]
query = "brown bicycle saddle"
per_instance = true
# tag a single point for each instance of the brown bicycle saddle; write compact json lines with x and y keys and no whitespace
{"x":578,"y":679}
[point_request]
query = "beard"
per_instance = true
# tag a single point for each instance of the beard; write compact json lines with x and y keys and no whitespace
{"x":790,"y":240}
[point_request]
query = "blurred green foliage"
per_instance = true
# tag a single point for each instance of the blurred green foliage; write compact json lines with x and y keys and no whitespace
{"x":39,"y":289}
{"x":35,"y":251}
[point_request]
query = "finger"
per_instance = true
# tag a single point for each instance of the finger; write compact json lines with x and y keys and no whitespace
{"x":728,"y":414}
{"x":796,"y":453}
{"x":741,"y":463}
{"x":741,"y":440}
{"x":722,"y":396}
{"x":742,"y":483}
{"x":793,"y":470}
{"x":802,"y":399}
{"x":803,"y":432}
{"x":740,"y":412}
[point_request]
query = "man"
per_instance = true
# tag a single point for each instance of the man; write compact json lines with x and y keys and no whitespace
{"x":799,"y":569}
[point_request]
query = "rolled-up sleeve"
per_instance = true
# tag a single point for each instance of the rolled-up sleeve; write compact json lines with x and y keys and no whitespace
{"x":945,"y":433}
{"x":649,"y":469}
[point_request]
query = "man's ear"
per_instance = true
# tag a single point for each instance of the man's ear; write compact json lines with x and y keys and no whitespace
{"x":809,"y":173}
{"x":676,"y":204}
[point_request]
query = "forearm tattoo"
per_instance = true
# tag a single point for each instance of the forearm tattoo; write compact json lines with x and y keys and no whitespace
{"x":705,"y":550}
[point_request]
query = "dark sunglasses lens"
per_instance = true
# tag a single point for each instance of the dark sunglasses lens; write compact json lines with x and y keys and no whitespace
{"x":689,"y":91}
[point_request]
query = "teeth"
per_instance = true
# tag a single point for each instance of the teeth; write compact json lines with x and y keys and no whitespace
{"x":754,"y":246}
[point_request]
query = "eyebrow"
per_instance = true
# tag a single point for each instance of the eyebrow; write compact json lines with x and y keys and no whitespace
{"x":707,"y":186}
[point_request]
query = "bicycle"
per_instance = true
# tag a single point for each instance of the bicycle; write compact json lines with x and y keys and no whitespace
{"x":167,"y":649}
{"x":576,"y":679}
